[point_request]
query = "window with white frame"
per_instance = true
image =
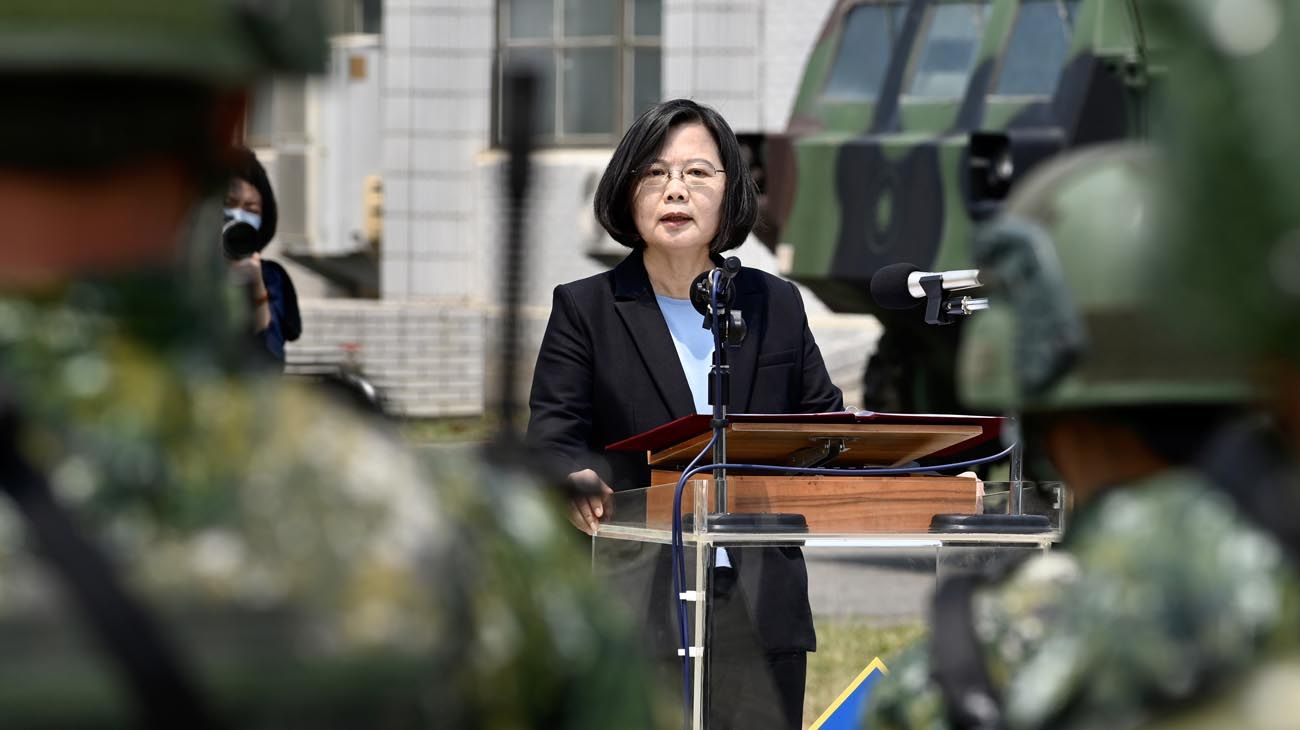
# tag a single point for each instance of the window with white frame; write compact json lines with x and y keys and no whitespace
{"x":598,"y":63}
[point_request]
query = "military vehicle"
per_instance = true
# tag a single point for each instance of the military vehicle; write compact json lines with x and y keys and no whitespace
{"x":913,"y":121}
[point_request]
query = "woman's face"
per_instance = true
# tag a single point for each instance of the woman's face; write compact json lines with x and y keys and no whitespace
{"x":677,"y":199}
{"x":242,"y":194}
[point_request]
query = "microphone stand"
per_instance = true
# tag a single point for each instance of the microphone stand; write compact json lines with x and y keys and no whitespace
{"x":719,"y":394}
{"x":728,"y":328}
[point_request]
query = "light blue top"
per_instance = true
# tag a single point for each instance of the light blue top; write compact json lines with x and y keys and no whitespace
{"x":694,"y":346}
{"x":695,"y":349}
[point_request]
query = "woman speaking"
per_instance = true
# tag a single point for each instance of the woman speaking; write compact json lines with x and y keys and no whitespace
{"x":624,"y":352}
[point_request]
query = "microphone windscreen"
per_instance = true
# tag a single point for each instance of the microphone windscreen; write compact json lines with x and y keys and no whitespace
{"x":700,"y":295}
{"x":889,"y":286}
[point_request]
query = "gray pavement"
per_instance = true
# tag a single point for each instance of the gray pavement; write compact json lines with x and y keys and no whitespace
{"x":885,"y":587}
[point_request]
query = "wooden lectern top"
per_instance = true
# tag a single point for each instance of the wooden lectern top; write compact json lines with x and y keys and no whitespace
{"x":840,"y":439}
{"x":854,"y":444}
{"x":844,"y":504}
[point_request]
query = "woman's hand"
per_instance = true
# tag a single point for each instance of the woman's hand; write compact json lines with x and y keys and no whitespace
{"x":249,"y":270}
{"x":586,"y":510}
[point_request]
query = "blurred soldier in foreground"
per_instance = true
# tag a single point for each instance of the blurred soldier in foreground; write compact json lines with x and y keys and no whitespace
{"x":281,"y":563}
{"x":1163,"y":588}
{"x":1232,"y":273}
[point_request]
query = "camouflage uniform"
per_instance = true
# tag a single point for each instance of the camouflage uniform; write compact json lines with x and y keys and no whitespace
{"x":312,"y":572}
{"x":1162,"y":587}
{"x":1231,"y":257}
{"x":315,"y":571}
{"x":1129,"y":613}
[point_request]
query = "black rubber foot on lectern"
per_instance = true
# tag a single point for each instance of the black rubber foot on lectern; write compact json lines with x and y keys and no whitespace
{"x":1009,"y":524}
{"x":749,"y":523}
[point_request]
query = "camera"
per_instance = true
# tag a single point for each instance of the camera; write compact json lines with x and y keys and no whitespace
{"x":239,"y":240}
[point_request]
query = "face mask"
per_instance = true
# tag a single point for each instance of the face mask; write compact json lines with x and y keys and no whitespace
{"x":243,"y":216}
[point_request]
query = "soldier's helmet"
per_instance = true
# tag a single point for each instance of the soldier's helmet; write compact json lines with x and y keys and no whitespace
{"x":1073,"y":323}
{"x":91,"y":84}
{"x":214,"y":42}
{"x":1233,"y":262}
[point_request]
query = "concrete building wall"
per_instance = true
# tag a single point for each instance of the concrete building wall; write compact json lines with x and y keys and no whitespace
{"x":789,"y":31}
{"x":743,"y":57}
{"x":436,"y":107}
{"x":561,"y":229}
{"x":712,"y":53}
{"x":425,"y":357}
{"x":423,"y":343}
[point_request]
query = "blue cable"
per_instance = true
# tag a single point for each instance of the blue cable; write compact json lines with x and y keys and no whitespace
{"x":872,"y":471}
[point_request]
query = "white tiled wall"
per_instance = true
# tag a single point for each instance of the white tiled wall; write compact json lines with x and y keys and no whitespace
{"x":743,"y":57}
{"x":437,"y":103}
{"x":424,"y":357}
{"x":789,"y":31}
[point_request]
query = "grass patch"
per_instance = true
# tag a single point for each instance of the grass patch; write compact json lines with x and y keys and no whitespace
{"x":441,"y":430}
{"x":457,"y":428}
{"x":845,"y":646}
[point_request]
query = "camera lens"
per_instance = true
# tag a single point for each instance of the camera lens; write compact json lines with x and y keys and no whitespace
{"x":239,"y":240}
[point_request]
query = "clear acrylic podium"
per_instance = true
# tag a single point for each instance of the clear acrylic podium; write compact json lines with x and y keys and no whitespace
{"x":867,"y":562}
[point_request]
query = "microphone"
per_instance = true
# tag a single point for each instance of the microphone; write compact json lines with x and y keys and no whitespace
{"x":700,"y":294}
{"x":898,"y":286}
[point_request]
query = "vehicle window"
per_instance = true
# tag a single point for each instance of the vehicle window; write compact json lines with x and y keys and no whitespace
{"x":866,"y":44}
{"x":947,"y":56}
{"x":1040,"y":40}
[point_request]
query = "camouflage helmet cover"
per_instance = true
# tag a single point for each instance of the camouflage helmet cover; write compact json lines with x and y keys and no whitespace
{"x":1233,"y":260}
{"x":217,"y":42}
{"x":1074,"y":323}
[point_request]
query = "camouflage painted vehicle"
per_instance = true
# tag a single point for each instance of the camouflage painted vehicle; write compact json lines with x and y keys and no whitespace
{"x":913,"y":121}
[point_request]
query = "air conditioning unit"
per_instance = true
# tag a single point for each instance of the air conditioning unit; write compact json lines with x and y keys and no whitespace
{"x":278,"y":132}
{"x":319,"y":139}
{"x":288,"y":167}
{"x":346,"y":153}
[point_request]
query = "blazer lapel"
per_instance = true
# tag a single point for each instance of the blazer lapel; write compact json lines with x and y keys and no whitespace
{"x":751,"y":301}
{"x":636,"y":305}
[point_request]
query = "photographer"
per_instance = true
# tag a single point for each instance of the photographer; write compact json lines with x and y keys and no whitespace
{"x":250,"y":219}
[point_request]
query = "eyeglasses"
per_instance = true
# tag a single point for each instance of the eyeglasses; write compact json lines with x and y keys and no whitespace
{"x":695,"y":175}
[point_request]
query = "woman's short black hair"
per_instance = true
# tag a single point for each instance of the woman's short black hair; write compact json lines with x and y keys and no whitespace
{"x":642,"y":143}
{"x":247,"y":168}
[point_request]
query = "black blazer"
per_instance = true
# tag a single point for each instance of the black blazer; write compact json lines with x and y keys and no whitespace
{"x":608,"y":370}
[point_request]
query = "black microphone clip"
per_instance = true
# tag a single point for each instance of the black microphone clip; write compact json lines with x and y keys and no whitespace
{"x":702,"y":297}
{"x":904,"y":286}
